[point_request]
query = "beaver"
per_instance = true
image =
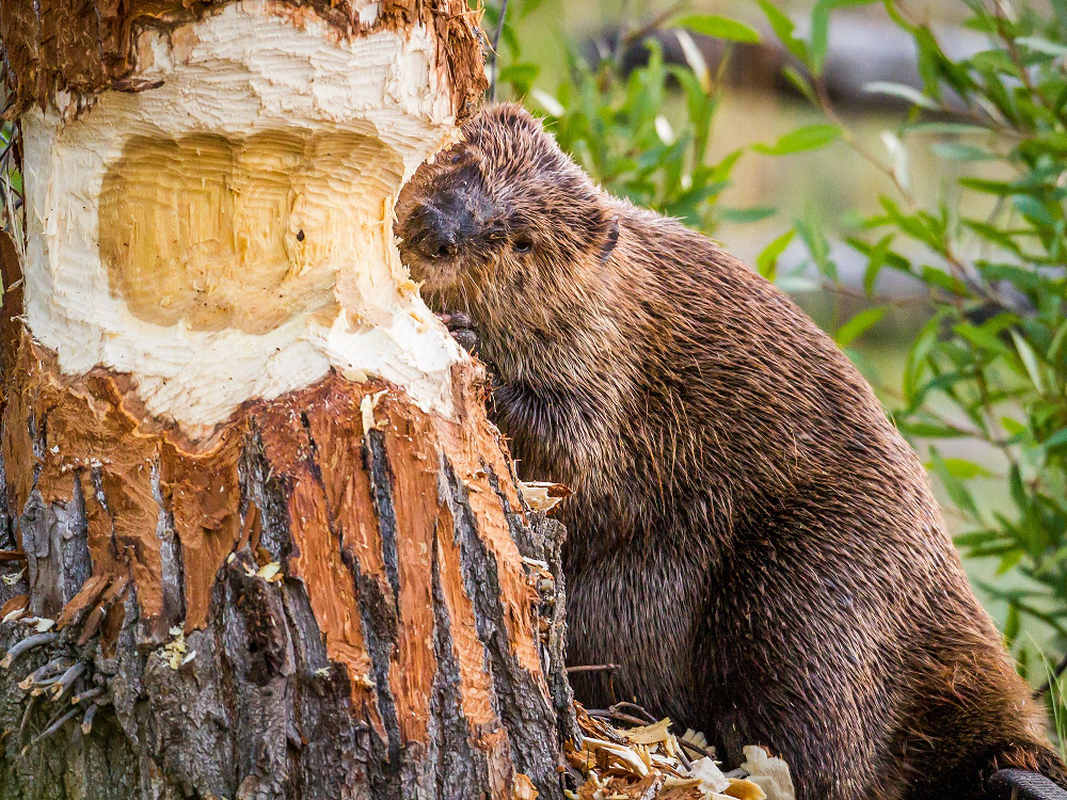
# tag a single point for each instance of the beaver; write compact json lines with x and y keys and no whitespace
{"x":750,"y":538}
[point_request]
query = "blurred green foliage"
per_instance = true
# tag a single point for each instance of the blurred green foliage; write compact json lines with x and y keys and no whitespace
{"x":634,"y":133}
{"x":10,"y":179}
{"x":990,"y":364}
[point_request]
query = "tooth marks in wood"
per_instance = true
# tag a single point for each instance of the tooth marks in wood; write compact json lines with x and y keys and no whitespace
{"x":381,"y":485}
{"x":408,"y":446}
{"x":390,"y":557}
{"x":519,"y":692}
{"x":379,"y":631}
{"x":56,"y":46}
{"x":321,"y":559}
{"x":470,"y":653}
{"x":458,"y":764}
{"x":266,"y":487}
{"x":200,"y":492}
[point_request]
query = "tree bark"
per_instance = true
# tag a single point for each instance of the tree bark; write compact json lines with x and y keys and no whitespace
{"x":261,"y":539}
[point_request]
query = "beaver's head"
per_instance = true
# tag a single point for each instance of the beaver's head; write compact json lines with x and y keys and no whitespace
{"x":504,"y":208}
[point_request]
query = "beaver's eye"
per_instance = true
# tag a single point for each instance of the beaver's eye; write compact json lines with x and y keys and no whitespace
{"x":523,"y":245}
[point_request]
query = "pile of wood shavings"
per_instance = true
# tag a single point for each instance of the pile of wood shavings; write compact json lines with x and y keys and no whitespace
{"x":649,"y":762}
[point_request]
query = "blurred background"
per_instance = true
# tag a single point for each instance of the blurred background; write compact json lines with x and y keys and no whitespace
{"x":899,"y":169}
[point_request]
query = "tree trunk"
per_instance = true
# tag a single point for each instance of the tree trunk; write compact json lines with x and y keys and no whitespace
{"x":261,"y":540}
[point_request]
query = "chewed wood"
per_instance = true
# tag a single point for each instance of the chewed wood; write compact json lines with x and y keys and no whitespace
{"x":59,"y":46}
{"x":336,"y":537}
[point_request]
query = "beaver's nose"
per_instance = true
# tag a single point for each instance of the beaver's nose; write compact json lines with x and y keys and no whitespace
{"x":446,"y":222}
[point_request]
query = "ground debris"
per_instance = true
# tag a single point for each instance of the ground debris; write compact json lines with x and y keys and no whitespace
{"x":649,"y":762}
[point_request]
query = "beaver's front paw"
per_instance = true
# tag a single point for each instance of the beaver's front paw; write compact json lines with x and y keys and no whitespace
{"x":462,"y":329}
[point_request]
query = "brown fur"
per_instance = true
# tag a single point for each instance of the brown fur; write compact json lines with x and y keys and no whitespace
{"x":750,"y":537}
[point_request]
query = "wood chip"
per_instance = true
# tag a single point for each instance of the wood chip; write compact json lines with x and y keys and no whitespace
{"x":644,"y":763}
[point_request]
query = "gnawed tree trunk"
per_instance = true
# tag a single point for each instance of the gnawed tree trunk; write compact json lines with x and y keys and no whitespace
{"x":250,"y":474}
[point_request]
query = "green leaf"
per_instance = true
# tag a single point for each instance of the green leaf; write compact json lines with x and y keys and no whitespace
{"x":993,"y":234}
{"x":1033,"y":209}
{"x":1039,"y":45}
{"x":720,"y":28}
{"x":1018,"y":490}
{"x":1010,"y":560}
{"x":974,"y":538}
{"x":523,"y":74}
{"x":950,"y":128}
{"x":928,"y":430}
{"x":962,"y":468}
{"x":983,"y":338}
{"x":902,"y":91}
{"x":944,"y":280}
{"x":1012,"y":625}
{"x":955,"y":151}
{"x":802,"y":83}
{"x":1057,"y":342}
{"x":958,"y":493}
{"x":818,"y":246}
{"x":987,"y":186}
{"x":809,"y":137}
{"x":995,"y":61}
{"x":1058,"y":439}
{"x":783,"y":28}
{"x":820,"y":34}
{"x":875,"y":260}
{"x":1029,"y":359}
{"x":767,"y":260}
{"x":858,"y":325}
{"x":915,"y":363}
{"x":1013,"y":427}
{"x":745,"y":215}
{"x":875,"y":252}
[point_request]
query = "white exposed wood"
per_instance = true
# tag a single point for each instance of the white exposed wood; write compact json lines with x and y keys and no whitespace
{"x":251,"y":70}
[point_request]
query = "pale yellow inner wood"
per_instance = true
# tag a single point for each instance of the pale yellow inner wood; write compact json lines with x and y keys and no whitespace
{"x":242,"y":233}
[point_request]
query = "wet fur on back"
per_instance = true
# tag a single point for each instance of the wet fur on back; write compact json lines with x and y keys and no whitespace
{"x":749,"y":537}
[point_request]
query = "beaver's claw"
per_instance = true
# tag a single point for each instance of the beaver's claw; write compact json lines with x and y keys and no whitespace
{"x":462,"y":329}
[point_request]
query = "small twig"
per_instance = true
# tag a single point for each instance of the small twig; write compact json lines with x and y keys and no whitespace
{"x":496,"y":43}
{"x":87,"y":722}
{"x":55,"y":726}
{"x":88,"y":694}
{"x":680,"y":750}
{"x":594,"y":668}
{"x":67,"y":680}
{"x":629,"y":718}
{"x":636,"y":709}
{"x":896,"y":302}
{"x":53,"y":669}
{"x":27,"y":644}
{"x":26,"y":716}
{"x":11,"y":555}
{"x":609,"y":714}
{"x":695,"y":748}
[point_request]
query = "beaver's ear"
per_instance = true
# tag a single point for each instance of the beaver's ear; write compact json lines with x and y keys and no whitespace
{"x":609,"y":236}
